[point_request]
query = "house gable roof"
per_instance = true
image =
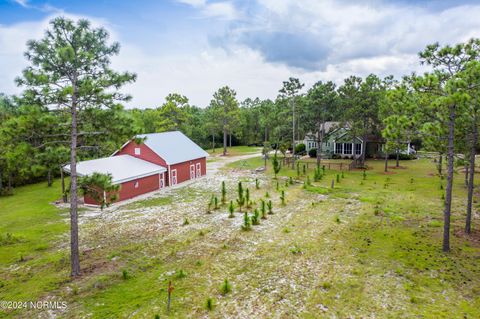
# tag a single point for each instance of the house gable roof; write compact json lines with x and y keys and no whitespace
{"x":123,"y":168}
{"x":174,"y":147}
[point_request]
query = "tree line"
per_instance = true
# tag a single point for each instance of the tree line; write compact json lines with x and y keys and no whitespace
{"x":71,"y":109}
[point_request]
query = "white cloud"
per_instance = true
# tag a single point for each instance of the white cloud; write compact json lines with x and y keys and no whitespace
{"x":361,"y":39}
{"x":23,"y":3}
{"x":223,"y":10}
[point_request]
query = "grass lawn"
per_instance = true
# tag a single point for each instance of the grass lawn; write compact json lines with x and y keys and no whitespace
{"x":368,"y":247}
{"x":235,"y":150}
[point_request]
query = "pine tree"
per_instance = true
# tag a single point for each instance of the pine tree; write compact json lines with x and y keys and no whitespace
{"x":70,"y":68}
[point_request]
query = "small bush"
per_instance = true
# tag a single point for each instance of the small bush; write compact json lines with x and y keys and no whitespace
{"x":209,"y":304}
{"x":282,"y":197}
{"x":337,"y":219}
{"x":296,"y":250}
{"x":226,"y":287}
{"x":185,"y":222}
{"x":326,"y":285}
{"x":300,"y":148}
{"x":269,"y":206}
{"x":256,"y":217}
{"x":267,"y":195}
{"x":181,"y":274}
{"x":125,"y":274}
{"x":263,"y":210}
{"x":290,"y":180}
{"x":247,"y":225}
{"x":338,"y":178}
{"x":312,"y":152}
{"x":224,"y":193}
{"x":257,"y":183}
{"x":231,"y":210}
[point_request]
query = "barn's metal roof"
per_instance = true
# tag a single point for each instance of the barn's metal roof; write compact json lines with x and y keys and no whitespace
{"x":123,"y":168}
{"x":174,"y":147}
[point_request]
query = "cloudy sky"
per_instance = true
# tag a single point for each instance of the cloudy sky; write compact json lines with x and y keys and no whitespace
{"x":193,"y":47}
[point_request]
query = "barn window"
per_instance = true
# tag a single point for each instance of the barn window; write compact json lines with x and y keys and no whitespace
{"x":137,"y":151}
{"x":136,"y":184}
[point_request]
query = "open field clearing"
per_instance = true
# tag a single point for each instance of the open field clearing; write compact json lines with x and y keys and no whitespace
{"x":368,"y":248}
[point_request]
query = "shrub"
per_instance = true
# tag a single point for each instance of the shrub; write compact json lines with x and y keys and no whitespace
{"x":255,"y":217}
{"x":364,"y":174}
{"x":231,"y":209}
{"x":224,"y":193}
{"x":246,"y":223}
{"x":282,"y":197}
{"x":257,"y":183}
{"x":317,"y":175}
{"x":267,"y":195}
{"x":312,"y":152}
{"x":210,"y":205}
{"x":210,"y":305}
{"x":290,"y":181}
{"x":247,"y":198}
{"x":241,"y":198}
{"x":125,"y":274}
{"x":300,"y":148}
{"x":226,"y":287}
{"x":215,"y":202}
{"x":186,"y":222}
{"x":269,"y":206}
{"x":277,"y":187}
{"x":263,"y":210}
{"x":181,"y":274}
{"x":295,"y":249}
{"x":338,"y":178}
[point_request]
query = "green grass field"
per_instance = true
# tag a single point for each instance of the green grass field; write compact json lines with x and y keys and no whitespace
{"x":234,"y":150}
{"x":369,"y":247}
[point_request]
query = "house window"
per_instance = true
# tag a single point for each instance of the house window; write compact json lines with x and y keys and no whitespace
{"x":347,"y":148}
{"x":338,"y":148}
{"x":136,"y":185}
{"x":358,"y":149}
{"x":137,"y":151}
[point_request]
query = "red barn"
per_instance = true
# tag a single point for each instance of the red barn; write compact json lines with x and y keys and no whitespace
{"x":163,"y":159}
{"x":183,"y":159}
